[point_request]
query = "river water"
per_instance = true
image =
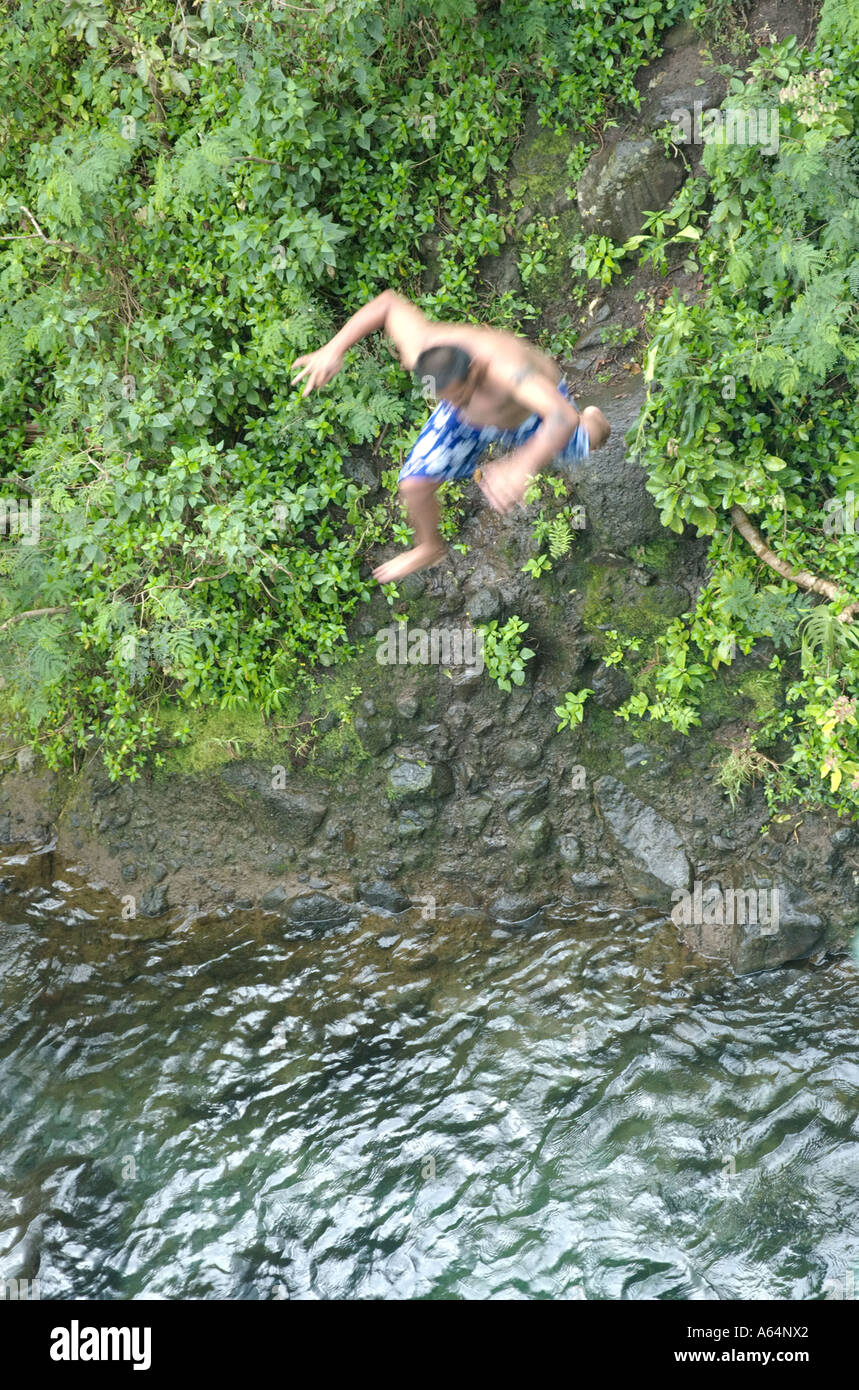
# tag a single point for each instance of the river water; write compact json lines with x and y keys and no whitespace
{"x":401,"y":1108}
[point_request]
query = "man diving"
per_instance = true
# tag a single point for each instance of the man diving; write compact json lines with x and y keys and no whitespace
{"x":492,"y":388}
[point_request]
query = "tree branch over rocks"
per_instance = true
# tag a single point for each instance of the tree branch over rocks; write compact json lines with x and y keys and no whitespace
{"x":803,"y":579}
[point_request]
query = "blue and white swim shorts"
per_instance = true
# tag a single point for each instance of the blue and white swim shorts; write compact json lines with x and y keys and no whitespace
{"x":450,"y":447}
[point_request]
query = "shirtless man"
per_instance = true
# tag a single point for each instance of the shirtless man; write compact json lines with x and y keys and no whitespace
{"x":492,"y":387}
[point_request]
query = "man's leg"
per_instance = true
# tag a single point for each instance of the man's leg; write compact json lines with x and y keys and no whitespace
{"x":421,"y":501}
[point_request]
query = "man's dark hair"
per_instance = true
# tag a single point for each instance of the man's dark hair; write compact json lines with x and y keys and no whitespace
{"x":442,"y":365}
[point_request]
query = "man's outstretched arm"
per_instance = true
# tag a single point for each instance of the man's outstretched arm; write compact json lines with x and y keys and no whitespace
{"x":401,"y":320}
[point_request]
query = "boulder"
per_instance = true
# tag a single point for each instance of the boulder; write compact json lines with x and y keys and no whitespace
{"x":533,"y":839}
{"x":610,"y":685}
{"x":525,"y":800}
{"x":316,"y":909}
{"x":419,"y":780}
{"x":610,"y":485}
{"x":522,"y":753}
{"x":298,"y":813}
{"x":655,"y":858}
{"x":514,"y":908}
{"x":153,"y":903}
{"x":570,"y":850}
{"x":385,"y":896}
{"x":622,"y":182}
{"x":411,"y":825}
{"x":475,"y":813}
{"x":750,"y":920}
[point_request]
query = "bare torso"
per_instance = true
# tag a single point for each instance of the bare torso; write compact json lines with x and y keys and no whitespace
{"x":497,"y":354}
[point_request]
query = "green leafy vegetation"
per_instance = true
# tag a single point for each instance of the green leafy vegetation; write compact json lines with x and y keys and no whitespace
{"x":752,"y":422}
{"x":190,"y":196}
{"x":572,"y":711}
{"x":503,"y":653}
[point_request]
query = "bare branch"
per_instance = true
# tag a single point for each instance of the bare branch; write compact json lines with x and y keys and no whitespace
{"x":803,"y":579}
{"x":34,"y":613}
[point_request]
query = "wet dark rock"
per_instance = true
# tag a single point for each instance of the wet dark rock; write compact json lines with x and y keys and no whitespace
{"x":153,"y":903}
{"x":522,"y":753}
{"x":412,"y":585}
{"x":622,"y":182}
{"x":411,"y":825}
{"x":312,"y":909}
{"x":587,"y":881}
{"x":361,"y":471}
{"x":475,"y":813}
{"x":466,"y":681}
{"x":458,"y":716}
{"x":840,"y":842}
{"x":418,"y":780}
{"x":524,"y":801}
{"x":679,"y":80}
{"x":484,"y":605}
{"x":654,"y":857}
{"x":776,"y":922}
{"x":610,"y":685}
{"x":5,"y":830}
{"x":376,"y":735}
{"x":129,"y":873}
{"x":533,"y":839}
{"x":594,"y":337}
{"x":513,"y":908}
{"x":570,"y":850}
{"x":385,"y":896}
{"x":610,"y":484}
{"x":298,"y":813}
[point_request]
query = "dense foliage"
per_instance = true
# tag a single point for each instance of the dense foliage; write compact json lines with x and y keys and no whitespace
{"x":753,"y":405}
{"x":191,"y":194}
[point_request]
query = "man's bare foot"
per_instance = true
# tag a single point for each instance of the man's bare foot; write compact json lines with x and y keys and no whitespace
{"x":504,"y":484}
{"x":416,"y":559}
{"x":597,"y":426}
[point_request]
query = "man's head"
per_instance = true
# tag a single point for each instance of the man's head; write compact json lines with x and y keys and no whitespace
{"x":444,"y":372}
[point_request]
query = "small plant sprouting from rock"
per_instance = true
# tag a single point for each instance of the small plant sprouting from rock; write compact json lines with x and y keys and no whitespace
{"x":572,"y":711}
{"x":744,"y":765}
{"x":503,"y":653}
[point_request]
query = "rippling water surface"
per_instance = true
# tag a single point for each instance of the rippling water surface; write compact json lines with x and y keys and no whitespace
{"x":400,"y":1108}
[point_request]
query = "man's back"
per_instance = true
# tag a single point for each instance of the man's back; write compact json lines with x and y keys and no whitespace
{"x":500,"y":355}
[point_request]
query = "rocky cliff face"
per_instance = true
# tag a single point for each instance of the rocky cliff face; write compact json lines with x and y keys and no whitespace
{"x":441,"y":788}
{"x":432,"y":786}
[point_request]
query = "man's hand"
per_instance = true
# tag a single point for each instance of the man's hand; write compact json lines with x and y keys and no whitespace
{"x":505,"y":482}
{"x":319,"y":367}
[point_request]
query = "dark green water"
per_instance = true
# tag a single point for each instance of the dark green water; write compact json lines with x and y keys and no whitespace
{"x":402,"y":1108}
